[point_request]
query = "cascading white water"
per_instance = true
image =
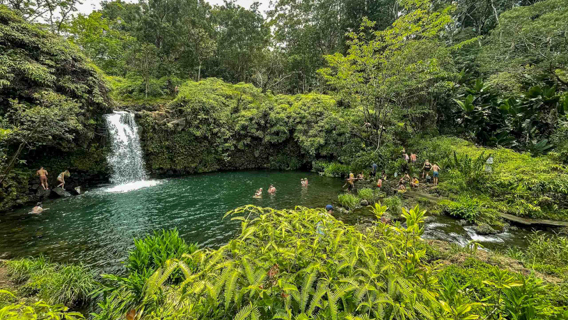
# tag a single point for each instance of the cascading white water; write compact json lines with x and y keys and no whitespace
{"x":126,"y":158}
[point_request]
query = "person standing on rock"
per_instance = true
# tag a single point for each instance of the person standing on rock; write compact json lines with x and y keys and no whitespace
{"x":436,"y":174}
{"x":42,"y":173}
{"x":61,"y":178}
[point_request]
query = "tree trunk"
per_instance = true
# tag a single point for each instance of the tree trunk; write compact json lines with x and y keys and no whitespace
{"x":199,"y":72}
{"x":11,"y":164}
{"x":146,"y":89}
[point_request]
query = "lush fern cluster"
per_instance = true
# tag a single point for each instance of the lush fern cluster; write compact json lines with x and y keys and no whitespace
{"x":304,"y":264}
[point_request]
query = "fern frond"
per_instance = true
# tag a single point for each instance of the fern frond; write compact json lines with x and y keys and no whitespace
{"x":320,"y":292}
{"x":230,"y":287}
{"x":306,"y":289}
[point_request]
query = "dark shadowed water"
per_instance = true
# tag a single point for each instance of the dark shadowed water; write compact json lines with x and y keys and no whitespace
{"x":97,"y":227}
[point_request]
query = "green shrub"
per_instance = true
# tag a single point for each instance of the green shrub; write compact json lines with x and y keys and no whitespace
{"x":152,"y":252}
{"x":394,"y":204}
{"x":70,"y":285}
{"x":464,"y":207}
{"x":348,"y":200}
{"x":523,"y":297}
{"x":11,"y":309}
{"x":367,"y":194}
{"x":549,"y":253}
{"x":336,"y":170}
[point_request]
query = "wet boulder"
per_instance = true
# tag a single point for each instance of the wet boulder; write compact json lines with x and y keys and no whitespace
{"x":364,"y":203}
{"x":75,"y":191}
{"x":485,"y":229}
{"x":43,"y":193}
{"x":59,"y":192}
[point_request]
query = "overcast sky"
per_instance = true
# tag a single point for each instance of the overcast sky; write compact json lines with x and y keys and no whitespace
{"x":90,"y":5}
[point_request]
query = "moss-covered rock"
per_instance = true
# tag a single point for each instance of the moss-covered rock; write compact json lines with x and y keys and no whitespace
{"x":212,"y":125}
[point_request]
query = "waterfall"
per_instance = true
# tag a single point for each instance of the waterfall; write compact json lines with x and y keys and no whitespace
{"x":126,"y":158}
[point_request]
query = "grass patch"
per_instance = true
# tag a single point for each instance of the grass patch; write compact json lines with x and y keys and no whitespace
{"x":70,"y":285}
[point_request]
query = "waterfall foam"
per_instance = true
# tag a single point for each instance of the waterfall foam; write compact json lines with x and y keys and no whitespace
{"x":126,"y":158}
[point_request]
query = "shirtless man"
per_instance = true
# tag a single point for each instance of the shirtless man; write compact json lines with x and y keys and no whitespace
{"x":42,"y":173}
{"x":436,"y":173}
{"x":61,"y":178}
{"x":272,"y":189}
{"x":413,"y":157}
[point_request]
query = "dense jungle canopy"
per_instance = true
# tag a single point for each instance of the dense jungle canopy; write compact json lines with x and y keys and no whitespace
{"x":329,"y":80}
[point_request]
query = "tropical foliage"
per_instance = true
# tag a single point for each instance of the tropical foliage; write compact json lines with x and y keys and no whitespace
{"x":516,"y":183}
{"x":304,"y":264}
{"x":51,"y":101}
{"x":212,"y":125}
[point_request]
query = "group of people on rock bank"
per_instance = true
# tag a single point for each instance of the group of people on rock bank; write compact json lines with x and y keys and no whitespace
{"x":414,"y":181}
{"x":42,"y":173}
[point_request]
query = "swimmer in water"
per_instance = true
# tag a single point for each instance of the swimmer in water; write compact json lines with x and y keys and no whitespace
{"x":272,"y":189}
{"x":258,"y":193}
{"x":37,"y":209}
{"x":329,"y":208}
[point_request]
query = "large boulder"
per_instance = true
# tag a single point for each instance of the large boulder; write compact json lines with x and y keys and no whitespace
{"x":485,"y":229}
{"x":59,"y":192}
{"x":42,"y":193}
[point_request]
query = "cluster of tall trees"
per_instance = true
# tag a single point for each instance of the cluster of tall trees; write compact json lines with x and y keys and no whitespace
{"x":495,"y":71}
{"x":280,"y":49}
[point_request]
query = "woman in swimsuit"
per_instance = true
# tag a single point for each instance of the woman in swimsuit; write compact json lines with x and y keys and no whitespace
{"x":426,"y":168}
{"x":258,"y":193}
{"x":61,"y":178}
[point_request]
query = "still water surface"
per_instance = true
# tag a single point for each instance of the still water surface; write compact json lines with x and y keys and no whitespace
{"x":97,"y":227}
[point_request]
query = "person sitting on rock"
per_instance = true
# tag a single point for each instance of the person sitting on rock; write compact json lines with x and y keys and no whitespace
{"x":401,"y":188}
{"x":414,"y":183}
{"x":258,"y":193}
{"x":61,"y":178}
{"x":42,"y":173}
{"x":272,"y":189}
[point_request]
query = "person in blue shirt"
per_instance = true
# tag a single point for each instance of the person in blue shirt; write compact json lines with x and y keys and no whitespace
{"x":374,"y":166}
